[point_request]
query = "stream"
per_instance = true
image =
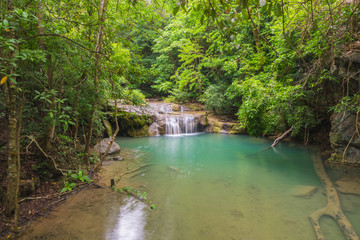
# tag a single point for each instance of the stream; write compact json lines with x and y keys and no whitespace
{"x":204,"y":186}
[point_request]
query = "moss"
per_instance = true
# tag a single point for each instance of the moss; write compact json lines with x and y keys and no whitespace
{"x":108,"y":128}
{"x":237,"y":129}
{"x":337,"y":157}
{"x":142,"y":132}
{"x":133,"y":121}
{"x":216,"y":130}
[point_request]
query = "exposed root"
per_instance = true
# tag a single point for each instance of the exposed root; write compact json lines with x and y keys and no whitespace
{"x":333,"y":208}
{"x":137,"y":169}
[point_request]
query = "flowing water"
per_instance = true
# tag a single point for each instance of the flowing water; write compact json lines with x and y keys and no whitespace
{"x":205,"y":186}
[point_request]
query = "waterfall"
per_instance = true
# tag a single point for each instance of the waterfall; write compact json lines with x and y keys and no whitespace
{"x":181,"y":124}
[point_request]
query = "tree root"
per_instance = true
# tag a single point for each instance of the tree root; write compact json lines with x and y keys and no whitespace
{"x":137,"y":169}
{"x":333,"y":208}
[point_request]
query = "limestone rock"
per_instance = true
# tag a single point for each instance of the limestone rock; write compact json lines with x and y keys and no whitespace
{"x":142,"y":132}
{"x":348,"y":187}
{"x":154,"y":129}
{"x":101,"y":146}
{"x":342,"y":131}
{"x":108,"y":128}
{"x":303,"y":191}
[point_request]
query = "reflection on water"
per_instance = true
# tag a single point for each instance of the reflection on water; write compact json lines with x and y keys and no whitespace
{"x":131,"y":221}
{"x":205,"y":186}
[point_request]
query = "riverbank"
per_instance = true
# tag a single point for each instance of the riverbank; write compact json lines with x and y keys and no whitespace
{"x":49,"y":203}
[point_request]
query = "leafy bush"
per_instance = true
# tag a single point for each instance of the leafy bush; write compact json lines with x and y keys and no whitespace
{"x":215,"y":99}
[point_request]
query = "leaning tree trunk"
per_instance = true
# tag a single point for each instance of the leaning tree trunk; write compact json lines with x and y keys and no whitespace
{"x":332,"y":209}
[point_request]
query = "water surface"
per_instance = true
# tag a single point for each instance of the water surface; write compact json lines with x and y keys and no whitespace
{"x":207,"y":186}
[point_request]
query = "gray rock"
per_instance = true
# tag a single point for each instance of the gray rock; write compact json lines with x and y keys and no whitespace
{"x":115,"y":158}
{"x":154,"y":129}
{"x":101,"y":146}
{"x":342,"y":132}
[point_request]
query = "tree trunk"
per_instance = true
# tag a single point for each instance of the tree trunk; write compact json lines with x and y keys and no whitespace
{"x":50,"y":129}
{"x":98,"y":49}
{"x":13,"y":146}
{"x":13,"y":176}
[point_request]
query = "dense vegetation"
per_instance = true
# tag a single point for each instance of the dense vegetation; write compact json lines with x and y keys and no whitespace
{"x":273,"y":64}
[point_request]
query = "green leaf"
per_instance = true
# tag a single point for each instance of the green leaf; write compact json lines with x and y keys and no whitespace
{"x":176,"y":9}
{"x":6,"y":23}
{"x":277,"y":9}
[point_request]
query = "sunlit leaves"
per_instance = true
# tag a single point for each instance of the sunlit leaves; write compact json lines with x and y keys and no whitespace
{"x":3,"y":80}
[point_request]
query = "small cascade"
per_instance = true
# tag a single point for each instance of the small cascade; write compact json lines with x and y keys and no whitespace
{"x":181,"y":124}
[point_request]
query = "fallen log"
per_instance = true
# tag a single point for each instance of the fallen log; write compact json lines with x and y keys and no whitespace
{"x":333,"y":207}
{"x":281,"y":137}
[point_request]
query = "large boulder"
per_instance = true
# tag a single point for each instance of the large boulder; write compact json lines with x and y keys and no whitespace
{"x":101,"y":147}
{"x":343,"y":137}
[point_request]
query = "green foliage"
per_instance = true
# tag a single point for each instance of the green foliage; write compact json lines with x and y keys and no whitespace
{"x":71,"y":179}
{"x":216,"y":100}
{"x":348,"y":103}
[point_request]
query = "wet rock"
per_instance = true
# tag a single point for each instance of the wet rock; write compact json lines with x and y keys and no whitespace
{"x":26,"y":187}
{"x":101,"y":147}
{"x":115,"y":158}
{"x":154,"y":129}
{"x":303,"y":191}
{"x":343,"y":127}
{"x":348,"y":187}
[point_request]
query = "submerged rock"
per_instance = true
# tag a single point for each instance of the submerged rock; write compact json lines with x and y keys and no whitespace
{"x":348,"y":187}
{"x":303,"y":191}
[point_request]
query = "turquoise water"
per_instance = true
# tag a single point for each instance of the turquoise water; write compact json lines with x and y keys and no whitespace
{"x":212,"y":186}
{"x":205,"y":187}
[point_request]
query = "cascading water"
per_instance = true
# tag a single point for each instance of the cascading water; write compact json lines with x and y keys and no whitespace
{"x":181,"y":124}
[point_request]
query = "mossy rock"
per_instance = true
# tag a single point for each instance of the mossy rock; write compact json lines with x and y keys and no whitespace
{"x":237,"y":129}
{"x":216,"y":130}
{"x":176,"y":107}
{"x":108,"y":128}
{"x":336,"y":157}
{"x":142,"y":132}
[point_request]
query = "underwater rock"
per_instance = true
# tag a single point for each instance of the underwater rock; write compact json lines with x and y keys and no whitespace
{"x":348,"y":187}
{"x":174,"y":169}
{"x":303,"y":191}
